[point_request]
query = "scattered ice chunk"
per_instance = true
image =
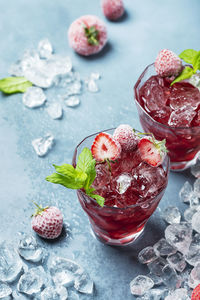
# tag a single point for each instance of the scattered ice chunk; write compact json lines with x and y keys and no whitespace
{"x":140,"y":285}
{"x":156,"y":279}
{"x":194,"y":278}
{"x":170,"y":278}
{"x":123,"y":183}
{"x":196,"y":221}
{"x":10,"y":263}
{"x":19,"y":296}
{"x":83,"y":283}
{"x":95,"y":75}
{"x":147,"y":255}
{"x":172,"y":215}
{"x":58,"y":65}
{"x":179,"y":236}
{"x":162,"y":248}
{"x":55,"y":110}
{"x":195,"y":245}
{"x":74,"y":89}
{"x":92,"y":86}
{"x":185,"y":192}
{"x":194,"y":200}
{"x":43,"y":145}
{"x":73,"y":296}
{"x":5,"y":290}
{"x":45,"y":48}
{"x":155,"y":294}
{"x":195,"y":170}
{"x":72,"y":101}
{"x":54,"y":293}
{"x":188,"y":214}
{"x":177,"y":261}
{"x":157,"y":265}
{"x":29,"y":249}
{"x":16,"y":69}
{"x":197,"y":187}
{"x":63,"y":271}
{"x":34,"y":97}
{"x":179,"y":294}
{"x":193,"y":256}
{"x":32,"y":281}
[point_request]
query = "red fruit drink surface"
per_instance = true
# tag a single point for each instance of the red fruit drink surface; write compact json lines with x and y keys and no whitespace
{"x":177,"y":107}
{"x":132,"y":190}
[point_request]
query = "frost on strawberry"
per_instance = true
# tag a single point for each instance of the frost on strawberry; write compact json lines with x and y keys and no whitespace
{"x":47,"y":222}
{"x":196,"y":293}
{"x":125,"y":135}
{"x":112,"y":9}
{"x":168,"y":63}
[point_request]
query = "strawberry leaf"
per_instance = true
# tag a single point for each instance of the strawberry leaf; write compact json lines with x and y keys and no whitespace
{"x":11,"y":85}
{"x":92,"y":35}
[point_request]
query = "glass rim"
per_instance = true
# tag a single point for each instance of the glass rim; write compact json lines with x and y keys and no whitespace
{"x":165,"y":161}
{"x":146,"y":113}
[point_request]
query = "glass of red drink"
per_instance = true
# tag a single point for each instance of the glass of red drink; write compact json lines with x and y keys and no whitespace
{"x":123,"y":217}
{"x":182,"y":132}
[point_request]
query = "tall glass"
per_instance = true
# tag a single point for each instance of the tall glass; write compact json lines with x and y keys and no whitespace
{"x":183,"y":143}
{"x":113,"y":225}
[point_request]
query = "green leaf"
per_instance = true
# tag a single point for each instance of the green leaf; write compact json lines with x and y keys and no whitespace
{"x":188,"y":55}
{"x":196,"y":62}
{"x":68,"y":177}
{"x":86,"y":164}
{"x":100,"y":200}
{"x":92,"y":35}
{"x":185,"y":74}
{"x":11,"y":85}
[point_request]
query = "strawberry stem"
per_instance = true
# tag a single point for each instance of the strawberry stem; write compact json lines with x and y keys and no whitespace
{"x":39,"y":209}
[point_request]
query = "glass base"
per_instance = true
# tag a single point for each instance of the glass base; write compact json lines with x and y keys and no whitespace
{"x":117,"y":242}
{"x":183,"y":165}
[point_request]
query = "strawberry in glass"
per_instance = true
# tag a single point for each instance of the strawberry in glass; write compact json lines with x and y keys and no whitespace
{"x":120,"y":176}
{"x":167,"y":96}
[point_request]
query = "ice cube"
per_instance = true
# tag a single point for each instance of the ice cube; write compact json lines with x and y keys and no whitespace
{"x":156,"y":279}
{"x":58,"y":65}
{"x":140,"y":285}
{"x":43,"y":145}
{"x":10,"y":263}
{"x":182,"y":117}
{"x":72,"y":101}
{"x":45,"y":48}
{"x":177,"y":261}
{"x":172,"y":215}
{"x":16,"y":69}
{"x":73,"y":296}
{"x":55,"y":110}
{"x":193,"y":256}
{"x":194,"y":278}
{"x":5,"y":290}
{"x":29,"y":249}
{"x":19,"y":296}
{"x":197,"y":187}
{"x":147,"y":255}
{"x":186,"y":192}
{"x":179,"y":236}
{"x":83,"y":283}
{"x":92,"y":86}
{"x":162,"y":248}
{"x":123,"y":183}
{"x":103,"y":176}
{"x":34,"y":97}
{"x":179,"y":294}
{"x":54,"y":293}
{"x":157,"y":265}
{"x":170,"y":278}
{"x":95,"y":75}
{"x":195,"y":80}
{"x":188,"y":214}
{"x":154,"y":294}
{"x":32,"y":281}
{"x":195,"y":170}
{"x":195,"y":245}
{"x":196,"y":221}
{"x":63,"y":271}
{"x":194,"y":200}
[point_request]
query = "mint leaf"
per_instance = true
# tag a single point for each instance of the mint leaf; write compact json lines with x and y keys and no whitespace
{"x":86,"y":164}
{"x":68,"y":177}
{"x":100,"y":200}
{"x":186,"y":73}
{"x":11,"y":85}
{"x":196,"y":62}
{"x":188,"y":55}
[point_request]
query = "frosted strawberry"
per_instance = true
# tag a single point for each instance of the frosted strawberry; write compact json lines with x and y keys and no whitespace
{"x":87,"y":35}
{"x":105,"y":147}
{"x":47,"y":222}
{"x":152,"y":151}
{"x":112,"y":9}
{"x":125,"y":135}
{"x":196,"y":293}
{"x":168,"y":63}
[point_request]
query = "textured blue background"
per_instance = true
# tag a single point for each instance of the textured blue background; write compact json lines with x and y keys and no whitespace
{"x":148,"y":26}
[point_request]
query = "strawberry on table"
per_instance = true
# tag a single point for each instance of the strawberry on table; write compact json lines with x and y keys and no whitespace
{"x":105,"y":147}
{"x":112,"y":9}
{"x":152,"y":151}
{"x":47,"y":222}
{"x":196,"y":293}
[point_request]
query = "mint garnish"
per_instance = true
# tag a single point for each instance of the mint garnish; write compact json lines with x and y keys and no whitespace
{"x":11,"y":85}
{"x":192,"y":57}
{"x":92,"y":35}
{"x":80,"y":177}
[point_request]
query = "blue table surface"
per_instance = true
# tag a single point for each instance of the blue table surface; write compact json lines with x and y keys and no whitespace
{"x":134,"y":42}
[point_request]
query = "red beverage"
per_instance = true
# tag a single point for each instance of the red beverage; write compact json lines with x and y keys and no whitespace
{"x":171,"y":113}
{"x":132,"y":190}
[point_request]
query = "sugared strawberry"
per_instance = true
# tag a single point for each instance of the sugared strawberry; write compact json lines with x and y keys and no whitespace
{"x":105,"y":147}
{"x":168,"y":63}
{"x":196,"y":293}
{"x":112,"y":9}
{"x":152,"y":151}
{"x":125,"y":135}
{"x":47,"y":222}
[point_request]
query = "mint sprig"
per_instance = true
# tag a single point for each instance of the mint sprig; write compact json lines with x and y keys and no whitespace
{"x":192,"y":57}
{"x":80,"y":177}
{"x":92,"y":35}
{"x":11,"y":85}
